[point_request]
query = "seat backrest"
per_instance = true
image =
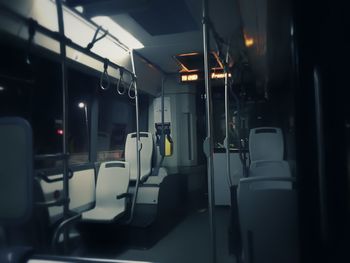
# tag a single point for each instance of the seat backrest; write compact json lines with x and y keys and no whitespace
{"x":265,"y":144}
{"x":268,"y":217}
{"x":271,"y":169}
{"x":112,"y":180}
{"x":16,"y":170}
{"x":146,"y":154}
{"x":266,"y":153}
{"x":83,"y":178}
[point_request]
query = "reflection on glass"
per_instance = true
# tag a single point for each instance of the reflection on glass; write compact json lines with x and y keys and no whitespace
{"x":236,"y":129}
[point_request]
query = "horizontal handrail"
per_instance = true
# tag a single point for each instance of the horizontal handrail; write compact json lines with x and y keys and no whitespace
{"x":47,"y":179}
{"x":63,"y":39}
{"x":56,"y":259}
{"x":55,"y":156}
{"x":58,"y":202}
{"x":61,"y":227}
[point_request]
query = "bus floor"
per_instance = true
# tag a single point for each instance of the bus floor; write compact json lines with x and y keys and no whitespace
{"x":188,"y":241}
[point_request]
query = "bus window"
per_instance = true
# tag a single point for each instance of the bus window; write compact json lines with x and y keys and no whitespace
{"x":81,"y":88}
{"x":116,"y":118}
{"x":32,"y":91}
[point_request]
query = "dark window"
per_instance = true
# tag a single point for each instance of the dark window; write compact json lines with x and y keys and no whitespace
{"x":116,"y":120}
{"x":219,"y":121}
{"x":32,"y":91}
{"x":81,"y":89}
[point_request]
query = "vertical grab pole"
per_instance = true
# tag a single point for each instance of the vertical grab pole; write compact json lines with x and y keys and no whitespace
{"x":321,"y":154}
{"x":227,"y":138}
{"x":138,"y":148}
{"x":65,"y":118}
{"x":208,"y":143}
{"x":87,"y":130}
{"x":162,"y":106}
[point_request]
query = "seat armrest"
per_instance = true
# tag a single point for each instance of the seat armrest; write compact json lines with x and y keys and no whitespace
{"x":124,"y":195}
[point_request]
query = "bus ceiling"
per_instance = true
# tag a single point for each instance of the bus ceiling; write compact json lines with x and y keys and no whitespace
{"x":167,"y":28}
{"x":109,"y":7}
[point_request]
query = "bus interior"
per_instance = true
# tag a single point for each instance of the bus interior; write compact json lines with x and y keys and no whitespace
{"x":174,"y":131}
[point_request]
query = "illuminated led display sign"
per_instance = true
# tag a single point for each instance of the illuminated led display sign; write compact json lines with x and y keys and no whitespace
{"x":194,"y":77}
{"x":215,"y":75}
{"x":190,"y":77}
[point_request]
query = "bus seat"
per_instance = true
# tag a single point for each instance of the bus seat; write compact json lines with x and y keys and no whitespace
{"x":158,"y":175}
{"x":16,"y":170}
{"x":111,"y":189}
{"x":266,"y":153}
{"x":268,"y":219}
{"x":266,"y":143}
{"x":267,"y":202}
{"x":146,"y":155}
{"x":80,"y":201}
{"x":25,"y":225}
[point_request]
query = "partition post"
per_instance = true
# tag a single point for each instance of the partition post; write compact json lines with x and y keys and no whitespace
{"x":162,"y":108}
{"x":208,"y":143}
{"x":64,"y":117}
{"x":227,"y":138}
{"x":138,"y":148}
{"x":320,"y":155}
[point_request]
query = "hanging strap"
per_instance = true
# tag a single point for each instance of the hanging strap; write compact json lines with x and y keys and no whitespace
{"x":32,"y":25}
{"x":120,"y":83}
{"x":132,"y":89}
{"x":105,"y":76}
{"x":95,"y":38}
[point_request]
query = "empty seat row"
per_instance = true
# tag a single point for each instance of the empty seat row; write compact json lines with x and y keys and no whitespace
{"x":110,"y":195}
{"x":113,"y":181}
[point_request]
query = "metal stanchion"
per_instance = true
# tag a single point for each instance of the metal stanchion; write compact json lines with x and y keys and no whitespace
{"x":208,"y":143}
{"x":65,"y":119}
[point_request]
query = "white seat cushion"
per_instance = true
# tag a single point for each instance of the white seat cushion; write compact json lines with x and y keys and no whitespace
{"x":112,"y":180}
{"x":103,"y":214}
